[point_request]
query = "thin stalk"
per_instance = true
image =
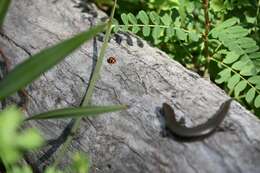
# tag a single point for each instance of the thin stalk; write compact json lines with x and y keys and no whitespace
{"x":153,"y":26}
{"x":96,"y":72}
{"x":206,"y":33}
{"x":257,"y":14}
{"x":234,"y":71}
{"x":90,"y":90}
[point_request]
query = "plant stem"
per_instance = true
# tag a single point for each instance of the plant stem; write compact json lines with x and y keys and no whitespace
{"x":257,"y":13}
{"x":96,"y":72}
{"x":206,"y":33}
{"x":153,"y":26}
{"x":90,"y":90}
{"x":234,"y":71}
{"x":256,"y":20}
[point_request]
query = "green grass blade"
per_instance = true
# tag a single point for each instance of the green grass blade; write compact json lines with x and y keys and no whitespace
{"x":77,"y":112}
{"x":4,"y":4}
{"x":33,"y":67}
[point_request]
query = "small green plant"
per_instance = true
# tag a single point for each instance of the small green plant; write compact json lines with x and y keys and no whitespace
{"x":13,"y":142}
{"x":80,"y":163}
{"x":238,"y":57}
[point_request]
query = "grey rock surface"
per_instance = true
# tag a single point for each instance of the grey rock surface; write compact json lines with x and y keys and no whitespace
{"x":144,"y":78}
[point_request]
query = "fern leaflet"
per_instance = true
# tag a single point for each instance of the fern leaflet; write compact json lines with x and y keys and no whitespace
{"x":241,"y":62}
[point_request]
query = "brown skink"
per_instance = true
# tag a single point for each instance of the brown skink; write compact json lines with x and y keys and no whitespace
{"x":199,"y":131}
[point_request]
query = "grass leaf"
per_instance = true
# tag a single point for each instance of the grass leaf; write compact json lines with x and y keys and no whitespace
{"x":4,"y":4}
{"x":33,"y":67}
{"x":77,"y":112}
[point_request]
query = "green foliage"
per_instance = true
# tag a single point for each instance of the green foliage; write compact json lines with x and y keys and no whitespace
{"x":163,"y":4}
{"x":52,"y":170}
{"x":12,"y":142}
{"x":161,"y":29}
{"x":81,"y":163}
{"x":23,"y":169}
{"x":171,"y":29}
{"x":4,"y":4}
{"x":240,"y":66}
{"x":228,"y":5}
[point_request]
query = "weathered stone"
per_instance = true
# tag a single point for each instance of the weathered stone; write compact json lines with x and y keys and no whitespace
{"x":143,"y":77}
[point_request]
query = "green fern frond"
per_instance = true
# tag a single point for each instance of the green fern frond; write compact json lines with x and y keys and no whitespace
{"x":161,"y":28}
{"x":241,"y":62}
{"x":243,"y":48}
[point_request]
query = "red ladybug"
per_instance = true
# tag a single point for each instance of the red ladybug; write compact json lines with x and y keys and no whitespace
{"x":111,"y":60}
